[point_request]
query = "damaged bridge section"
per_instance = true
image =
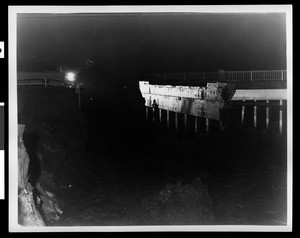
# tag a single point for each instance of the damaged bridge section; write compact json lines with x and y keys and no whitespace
{"x":210,"y":101}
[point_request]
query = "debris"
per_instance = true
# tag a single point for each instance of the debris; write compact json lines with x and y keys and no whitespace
{"x":28,"y":214}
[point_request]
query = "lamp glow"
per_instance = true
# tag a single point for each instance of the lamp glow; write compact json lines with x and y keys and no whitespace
{"x":70,"y":76}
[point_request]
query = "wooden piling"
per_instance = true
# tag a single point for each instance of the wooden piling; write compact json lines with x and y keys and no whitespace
{"x":153,"y":114}
{"x":243,"y":114}
{"x":168,"y":119}
{"x":255,"y":115}
{"x":280,"y":117}
{"x":267,"y":114}
{"x":196,"y":125}
{"x":159,"y":115}
{"x":176,"y":121}
{"x":185,"y":124}
{"x":147,"y":114}
{"x":79,"y":98}
{"x":207,"y":124}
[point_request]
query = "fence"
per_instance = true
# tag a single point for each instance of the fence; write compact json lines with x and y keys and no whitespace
{"x":181,"y":76}
{"x":45,"y":82}
{"x":262,"y":75}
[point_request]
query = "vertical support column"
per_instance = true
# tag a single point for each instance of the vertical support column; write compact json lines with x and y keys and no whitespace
{"x":255,"y":115}
{"x":153,"y":114}
{"x":79,"y":97}
{"x":207,"y":124}
{"x":196,"y":125}
{"x":176,"y":121}
{"x":267,"y":115}
{"x":221,"y":125}
{"x":159,"y":115}
{"x":185,"y":124}
{"x":147,"y":114}
{"x":168,"y":119}
{"x":243,"y":113}
{"x":280,"y":117}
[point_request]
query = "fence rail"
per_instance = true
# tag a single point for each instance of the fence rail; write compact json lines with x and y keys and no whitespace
{"x":262,"y":75}
{"x":46,"y":82}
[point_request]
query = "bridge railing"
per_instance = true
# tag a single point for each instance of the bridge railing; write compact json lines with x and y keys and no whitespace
{"x":46,"y":82}
{"x":258,"y":75}
{"x":181,"y":76}
{"x":261,"y":75}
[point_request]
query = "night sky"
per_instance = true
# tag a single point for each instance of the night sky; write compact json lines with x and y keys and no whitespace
{"x":156,"y":42}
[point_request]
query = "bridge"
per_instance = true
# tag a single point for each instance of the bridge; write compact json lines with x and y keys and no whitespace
{"x":254,"y":90}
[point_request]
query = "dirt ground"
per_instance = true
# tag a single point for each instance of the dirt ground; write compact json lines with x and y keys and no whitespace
{"x":244,"y":172}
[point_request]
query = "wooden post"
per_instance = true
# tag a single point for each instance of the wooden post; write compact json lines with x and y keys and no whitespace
{"x":176,"y":121}
{"x":159,"y":115}
{"x":280,"y":117}
{"x":267,"y":114}
{"x":153,"y":114}
{"x":168,"y":119}
{"x":147,"y":116}
{"x":185,"y":124}
{"x":79,"y":99}
{"x":207,"y":124}
{"x":255,"y":115}
{"x":196,"y":125}
{"x":243,"y":114}
{"x":221,"y":125}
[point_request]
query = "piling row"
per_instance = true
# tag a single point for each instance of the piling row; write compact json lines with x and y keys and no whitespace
{"x":266,"y":115}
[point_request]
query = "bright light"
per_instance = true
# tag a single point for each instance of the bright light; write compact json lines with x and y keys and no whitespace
{"x":70,"y":76}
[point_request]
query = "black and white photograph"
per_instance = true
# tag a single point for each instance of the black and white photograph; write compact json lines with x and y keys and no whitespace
{"x":150,"y":118}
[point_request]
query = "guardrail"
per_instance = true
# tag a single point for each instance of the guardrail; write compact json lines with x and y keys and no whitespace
{"x":46,"y":82}
{"x":261,"y":75}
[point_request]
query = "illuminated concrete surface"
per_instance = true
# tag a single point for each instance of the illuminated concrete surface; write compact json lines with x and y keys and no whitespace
{"x":260,"y":94}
